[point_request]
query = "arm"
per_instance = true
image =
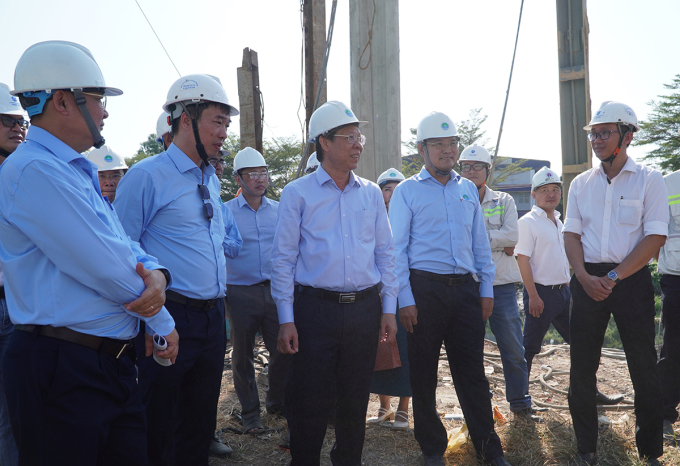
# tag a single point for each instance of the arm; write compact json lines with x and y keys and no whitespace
{"x":508,"y":234}
{"x":596,"y":287}
{"x":385,"y":262}
{"x":486,"y":271}
{"x":535,"y":301}
{"x":232,"y":240}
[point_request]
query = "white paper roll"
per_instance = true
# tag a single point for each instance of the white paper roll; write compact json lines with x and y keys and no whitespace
{"x":160,"y":344}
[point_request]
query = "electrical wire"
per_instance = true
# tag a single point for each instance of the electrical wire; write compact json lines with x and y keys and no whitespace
{"x":159,"y":39}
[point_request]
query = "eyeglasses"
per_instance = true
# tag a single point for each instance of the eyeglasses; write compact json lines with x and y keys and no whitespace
{"x":205,"y":197}
{"x":604,"y":135}
{"x":478,"y":167}
{"x":103,"y":177}
{"x":441,"y":145}
{"x":258,"y":175}
{"x":9,"y":122}
{"x":352,"y":138}
{"x":216,"y":162}
{"x":101,"y":97}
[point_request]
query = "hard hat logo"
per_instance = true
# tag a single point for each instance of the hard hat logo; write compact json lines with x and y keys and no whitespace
{"x":108,"y":158}
{"x":393,"y":175}
{"x":445,"y":126}
{"x":629,"y":111}
{"x":188,"y":84}
{"x":349,"y":113}
{"x":466,"y":197}
{"x":472,"y":151}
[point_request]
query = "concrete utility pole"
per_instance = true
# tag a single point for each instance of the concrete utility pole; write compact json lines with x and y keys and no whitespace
{"x":250,"y":103}
{"x":374,"y":56}
{"x":314,"y":19}
{"x":572,"y":49}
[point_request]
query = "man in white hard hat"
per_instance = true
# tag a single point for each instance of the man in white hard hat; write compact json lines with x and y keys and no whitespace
{"x":171,"y":204}
{"x":164,"y":130}
{"x":440,"y":243}
{"x":332,"y":260}
{"x":500,"y":220}
{"x":617,"y":219}
{"x":250,"y":306}
{"x":312,"y":164}
{"x":111,"y":168}
{"x":78,"y":285}
{"x":12,"y":134}
{"x":387,"y":181}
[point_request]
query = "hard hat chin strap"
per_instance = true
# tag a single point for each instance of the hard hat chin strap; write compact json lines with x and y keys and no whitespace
{"x":245,"y":186}
{"x":611,"y":158}
{"x":199,"y":145}
{"x":94,"y":131}
{"x":438,"y":171}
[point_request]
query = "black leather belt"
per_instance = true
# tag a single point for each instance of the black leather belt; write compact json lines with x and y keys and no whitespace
{"x":203,"y":304}
{"x":452,"y":279}
{"x":264,"y":283}
{"x":554,"y":287}
{"x":342,"y":298}
{"x":110,"y":346}
{"x":2,"y":292}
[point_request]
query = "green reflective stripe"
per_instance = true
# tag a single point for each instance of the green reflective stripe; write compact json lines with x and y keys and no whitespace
{"x":674,"y":202}
{"x":498,"y":210}
{"x":674,"y":197}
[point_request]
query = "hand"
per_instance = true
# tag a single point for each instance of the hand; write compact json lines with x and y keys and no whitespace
{"x":536,"y":306}
{"x":595,"y":287}
{"x":388,"y":328}
{"x":408,"y":316}
{"x":509,"y":251}
{"x":153,"y":298}
{"x":288,"y":339}
{"x":170,"y":352}
{"x":487,"y":307}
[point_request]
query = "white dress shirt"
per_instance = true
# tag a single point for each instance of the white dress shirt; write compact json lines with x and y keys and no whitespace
{"x":613,"y":218}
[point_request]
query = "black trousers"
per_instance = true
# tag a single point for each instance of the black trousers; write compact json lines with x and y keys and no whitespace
{"x":181,"y":400}
{"x":333,"y":368}
{"x":632,"y":305}
{"x":669,"y":364}
{"x":71,"y":405}
{"x":453,"y":315}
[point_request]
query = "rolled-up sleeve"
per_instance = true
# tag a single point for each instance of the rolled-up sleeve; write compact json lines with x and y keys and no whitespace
{"x":656,"y":216}
{"x":573,"y":222}
{"x":525,"y":243}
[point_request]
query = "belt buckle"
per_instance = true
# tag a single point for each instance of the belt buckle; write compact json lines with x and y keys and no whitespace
{"x":122,"y":350}
{"x":347,"y":298}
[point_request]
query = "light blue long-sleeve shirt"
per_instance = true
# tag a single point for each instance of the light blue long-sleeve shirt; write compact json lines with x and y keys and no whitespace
{"x":233,"y":242}
{"x":159,"y":205}
{"x":331,"y":239}
{"x":253,"y":264}
{"x":439,"y":229}
{"x":66,"y":258}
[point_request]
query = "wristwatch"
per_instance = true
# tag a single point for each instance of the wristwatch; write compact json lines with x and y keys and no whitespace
{"x":166,"y":274}
{"x":613,"y":276}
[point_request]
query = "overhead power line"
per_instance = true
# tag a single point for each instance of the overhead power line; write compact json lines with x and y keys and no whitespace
{"x":159,"y":39}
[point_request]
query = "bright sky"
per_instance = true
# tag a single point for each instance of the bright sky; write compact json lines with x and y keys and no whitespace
{"x":455,"y":56}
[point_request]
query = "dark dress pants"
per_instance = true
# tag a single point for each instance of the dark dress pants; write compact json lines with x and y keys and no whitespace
{"x":632,"y":305}
{"x":71,"y":405}
{"x":181,"y":400}
{"x":669,"y":364}
{"x":453,"y":315}
{"x":333,"y":368}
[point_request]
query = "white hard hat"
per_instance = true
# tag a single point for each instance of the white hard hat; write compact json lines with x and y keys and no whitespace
{"x":614,"y":112}
{"x":545,"y":176}
{"x":106,"y":159}
{"x":312,"y":163}
{"x":248,"y":158}
{"x":330,"y":115}
{"x":196,"y":89}
{"x":391,"y":174}
{"x":9,"y":105}
{"x":475,"y":153}
{"x":435,"y":125}
{"x":162,"y":126}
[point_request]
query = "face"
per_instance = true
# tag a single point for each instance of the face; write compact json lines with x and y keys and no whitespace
{"x":469,"y":170}
{"x":339,"y":154}
{"x":212,"y":127}
{"x":604,"y":149}
{"x":256,"y":180}
{"x":10,"y":138}
{"x":387,"y":191}
{"x":108,"y":182}
{"x":547,"y":196}
{"x":443,"y":153}
{"x":218,"y":165}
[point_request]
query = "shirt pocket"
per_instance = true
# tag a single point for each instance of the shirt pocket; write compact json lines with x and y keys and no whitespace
{"x":629,"y":212}
{"x":366,"y":225}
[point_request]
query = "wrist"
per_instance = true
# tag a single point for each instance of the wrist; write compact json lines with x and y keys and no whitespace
{"x":166,"y":275}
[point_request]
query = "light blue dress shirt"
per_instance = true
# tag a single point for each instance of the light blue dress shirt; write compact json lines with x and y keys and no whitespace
{"x":233,"y":241}
{"x":159,"y":205}
{"x":66,"y":258}
{"x":439,"y":229}
{"x":335,"y":240}
{"x":253,"y":265}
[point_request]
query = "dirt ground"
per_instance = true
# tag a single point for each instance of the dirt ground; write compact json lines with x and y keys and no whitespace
{"x":548,"y":443}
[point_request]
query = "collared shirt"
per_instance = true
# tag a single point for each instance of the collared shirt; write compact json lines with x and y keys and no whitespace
{"x":669,"y":256}
{"x":543,"y":243}
{"x":336,"y":240}
{"x":160,"y":206}
{"x":66,"y":258}
{"x":253,"y":265}
{"x":613,"y":218}
{"x":500,"y":220}
{"x":232,"y":242}
{"x":439,"y":229}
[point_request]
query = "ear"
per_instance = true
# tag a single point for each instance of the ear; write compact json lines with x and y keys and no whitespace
{"x":62,"y":102}
{"x":325,"y":143}
{"x":185,"y":122}
{"x":533,"y":194}
{"x":238,"y":180}
{"x":421,"y":151}
{"x":628,"y":138}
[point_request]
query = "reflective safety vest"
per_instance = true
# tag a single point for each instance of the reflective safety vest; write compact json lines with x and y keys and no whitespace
{"x":669,"y":256}
{"x":500,"y":220}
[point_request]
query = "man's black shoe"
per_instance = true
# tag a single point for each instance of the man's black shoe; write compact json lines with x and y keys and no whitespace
{"x":603,"y":399}
{"x":219,"y":449}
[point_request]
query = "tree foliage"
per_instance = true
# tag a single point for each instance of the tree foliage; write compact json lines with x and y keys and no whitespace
{"x":146,"y":149}
{"x":661,"y":130}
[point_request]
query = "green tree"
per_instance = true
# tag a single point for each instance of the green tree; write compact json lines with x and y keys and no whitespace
{"x":661,"y":130}
{"x":146,"y":149}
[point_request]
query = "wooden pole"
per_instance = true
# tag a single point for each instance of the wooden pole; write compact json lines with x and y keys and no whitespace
{"x":250,"y":101}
